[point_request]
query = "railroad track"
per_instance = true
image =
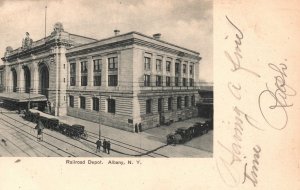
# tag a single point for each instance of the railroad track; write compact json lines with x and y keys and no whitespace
{"x":135,"y":151}
{"x":12,"y":125}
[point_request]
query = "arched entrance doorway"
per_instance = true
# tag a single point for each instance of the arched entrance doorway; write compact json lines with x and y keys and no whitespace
{"x":14,"y":76}
{"x":27,"y":78}
{"x":44,"y":79}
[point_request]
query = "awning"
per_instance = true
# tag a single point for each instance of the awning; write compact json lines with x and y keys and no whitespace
{"x":22,"y":97}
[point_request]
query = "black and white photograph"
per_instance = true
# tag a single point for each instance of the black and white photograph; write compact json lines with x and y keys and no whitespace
{"x":90,"y":78}
{"x":91,"y":91}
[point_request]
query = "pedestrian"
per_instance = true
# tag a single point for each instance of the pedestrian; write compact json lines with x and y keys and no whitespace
{"x":136,"y":128}
{"x":104,"y":145}
{"x":98,"y":143}
{"x":140,"y":127}
{"x":39,"y":129}
{"x":108,"y":147}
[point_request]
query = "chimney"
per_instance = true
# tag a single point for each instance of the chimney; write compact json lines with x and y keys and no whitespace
{"x":157,"y":36}
{"x":116,"y":32}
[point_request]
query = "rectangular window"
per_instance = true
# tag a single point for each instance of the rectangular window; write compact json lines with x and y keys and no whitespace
{"x":184,"y":82}
{"x":184,"y":68}
{"x":72,"y":74}
{"x":147,"y":63}
{"x":179,"y":102}
{"x":176,"y":81}
{"x":177,"y":67}
{"x":112,"y":80}
{"x":168,"y":81}
{"x":160,"y":105}
{"x":148,"y":106}
{"x":158,"y":80}
{"x":84,"y":68}
{"x":193,"y":100}
{"x":111,"y":105}
{"x":112,"y":63}
{"x":168,"y":66}
{"x":191,"y":69}
{"x":83,"y":71}
{"x":96,"y":104}
{"x":158,"y":64}
{"x":84,"y":80}
{"x":97,"y":80}
{"x":82,"y":102}
{"x":146,"y":80}
{"x":97,"y":72}
{"x":97,"y":65}
{"x":186,"y":101}
{"x":191,"y":82}
{"x":71,"y":101}
{"x":170,"y":102}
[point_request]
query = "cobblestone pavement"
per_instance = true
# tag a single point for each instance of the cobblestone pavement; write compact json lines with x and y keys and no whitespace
{"x":19,"y":139}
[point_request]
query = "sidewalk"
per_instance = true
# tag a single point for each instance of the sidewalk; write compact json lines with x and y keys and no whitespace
{"x":148,"y":140}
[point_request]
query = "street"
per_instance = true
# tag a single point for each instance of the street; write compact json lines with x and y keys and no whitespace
{"x":19,"y":139}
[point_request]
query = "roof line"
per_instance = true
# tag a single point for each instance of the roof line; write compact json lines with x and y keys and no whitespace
{"x":83,"y":36}
{"x":138,"y":33}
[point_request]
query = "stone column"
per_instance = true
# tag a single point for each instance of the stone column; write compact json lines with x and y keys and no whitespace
{"x":172,"y":71}
{"x":153,"y":70}
{"x":163,"y":71}
{"x":8,"y":80}
{"x":34,"y":74}
{"x":90,"y":71}
{"x":20,"y":79}
{"x":104,"y":72}
{"x":188,"y":73}
{"x":78,"y":72}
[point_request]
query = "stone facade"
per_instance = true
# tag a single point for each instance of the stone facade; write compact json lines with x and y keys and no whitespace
{"x":119,"y":81}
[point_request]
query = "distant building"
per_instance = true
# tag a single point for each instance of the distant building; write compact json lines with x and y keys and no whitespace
{"x":122,"y":80}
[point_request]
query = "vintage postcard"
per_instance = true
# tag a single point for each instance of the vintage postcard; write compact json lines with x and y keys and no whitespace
{"x":150,"y":94}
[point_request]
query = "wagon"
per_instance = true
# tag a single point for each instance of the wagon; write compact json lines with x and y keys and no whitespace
{"x":79,"y":132}
{"x":174,"y":139}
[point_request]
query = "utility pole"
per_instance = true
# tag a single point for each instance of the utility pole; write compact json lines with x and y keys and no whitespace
{"x":99,"y":121}
{"x":46,"y":19}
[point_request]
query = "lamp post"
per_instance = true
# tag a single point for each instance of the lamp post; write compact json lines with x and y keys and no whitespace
{"x":99,"y":119}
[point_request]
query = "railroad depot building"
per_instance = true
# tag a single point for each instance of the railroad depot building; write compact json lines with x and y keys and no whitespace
{"x":118,"y":81}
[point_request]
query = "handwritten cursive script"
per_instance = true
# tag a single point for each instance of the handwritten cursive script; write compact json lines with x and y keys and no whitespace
{"x":237,"y":53}
{"x":254,"y":169}
{"x":274,"y":103}
{"x":232,"y":159}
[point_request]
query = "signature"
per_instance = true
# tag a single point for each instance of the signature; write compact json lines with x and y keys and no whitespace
{"x":254,"y":169}
{"x":274,"y":103}
{"x":236,"y":60}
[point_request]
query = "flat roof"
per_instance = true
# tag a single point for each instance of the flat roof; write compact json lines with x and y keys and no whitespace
{"x":22,"y":97}
{"x":130,"y":35}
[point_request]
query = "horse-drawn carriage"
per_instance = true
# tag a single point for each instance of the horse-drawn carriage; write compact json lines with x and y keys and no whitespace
{"x":73,"y":131}
{"x":52,"y":123}
{"x":182,"y":135}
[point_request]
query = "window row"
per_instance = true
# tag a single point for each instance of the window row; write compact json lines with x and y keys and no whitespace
{"x":97,"y":70}
{"x":159,"y":81}
{"x":111,"y":103}
{"x":159,"y":67}
{"x":188,"y":101}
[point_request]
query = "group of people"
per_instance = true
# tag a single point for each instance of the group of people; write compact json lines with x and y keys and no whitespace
{"x":138,"y":128}
{"x":106,"y":146}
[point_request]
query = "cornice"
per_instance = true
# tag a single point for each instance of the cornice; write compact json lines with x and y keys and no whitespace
{"x":82,"y":50}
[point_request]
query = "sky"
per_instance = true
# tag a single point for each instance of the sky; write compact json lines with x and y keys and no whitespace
{"x":187,"y":23}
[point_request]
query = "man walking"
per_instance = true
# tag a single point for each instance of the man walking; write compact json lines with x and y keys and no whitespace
{"x":104,"y":145}
{"x":108,"y":147}
{"x":98,"y":143}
